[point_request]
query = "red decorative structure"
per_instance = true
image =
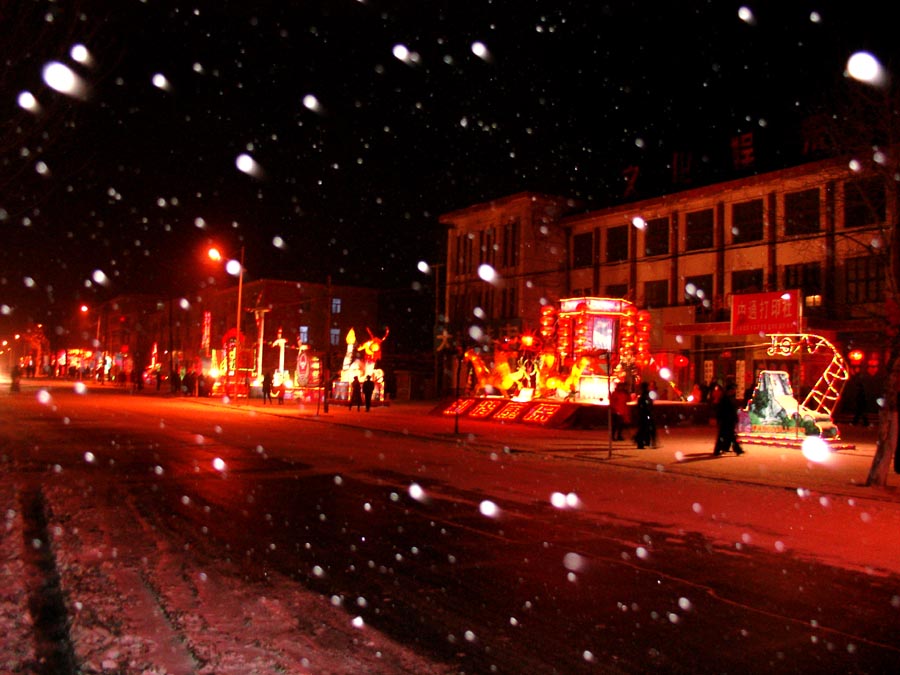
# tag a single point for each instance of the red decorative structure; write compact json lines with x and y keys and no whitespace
{"x":583,"y":348}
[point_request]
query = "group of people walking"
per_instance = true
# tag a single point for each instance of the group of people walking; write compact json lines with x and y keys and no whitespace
{"x":361,"y":391}
{"x":725,"y":409}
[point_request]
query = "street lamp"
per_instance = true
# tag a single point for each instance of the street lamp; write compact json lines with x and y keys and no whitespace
{"x":234,"y":267}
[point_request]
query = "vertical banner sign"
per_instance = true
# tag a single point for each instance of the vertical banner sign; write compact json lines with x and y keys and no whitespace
{"x":207,"y":329}
{"x":765,"y":313}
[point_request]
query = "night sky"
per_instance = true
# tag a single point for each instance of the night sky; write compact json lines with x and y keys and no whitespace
{"x":366,"y":121}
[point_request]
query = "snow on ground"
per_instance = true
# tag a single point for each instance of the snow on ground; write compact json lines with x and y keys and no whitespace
{"x":15,"y":619}
{"x":138,"y":605}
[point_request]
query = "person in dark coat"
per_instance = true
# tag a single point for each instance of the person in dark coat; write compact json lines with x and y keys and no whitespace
{"x":267,"y":388}
{"x":368,"y":388}
{"x":646,"y":429}
{"x":727,"y":418}
{"x":355,"y":394}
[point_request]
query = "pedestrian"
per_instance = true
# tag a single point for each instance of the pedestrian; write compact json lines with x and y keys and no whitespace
{"x":646,"y":429}
{"x":355,"y":394}
{"x":267,"y":388}
{"x":279,"y":393}
{"x":618,"y":401}
{"x":368,"y":388}
{"x":727,"y":418}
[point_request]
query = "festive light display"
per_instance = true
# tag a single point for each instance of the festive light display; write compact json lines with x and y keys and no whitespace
{"x":824,"y":394}
{"x":582,"y":344}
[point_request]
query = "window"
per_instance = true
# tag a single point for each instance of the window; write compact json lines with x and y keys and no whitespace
{"x":335,"y":305}
{"x":805,"y":276}
{"x":617,"y":243}
{"x":583,"y":250}
{"x":865,"y":279}
{"x":698,"y":289}
{"x":747,"y":221}
{"x":864,"y":202}
{"x":656,"y":293}
{"x":801,"y":212}
{"x":304,"y":335}
{"x":334,"y":337}
{"x":746,"y":281}
{"x":656,"y":237}
{"x":617,"y":291}
{"x":509,"y":303}
{"x":511,"y":244}
{"x":699,"y":230}
{"x":487,"y":246}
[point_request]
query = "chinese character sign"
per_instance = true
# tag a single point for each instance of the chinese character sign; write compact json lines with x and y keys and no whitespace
{"x":762,"y":313}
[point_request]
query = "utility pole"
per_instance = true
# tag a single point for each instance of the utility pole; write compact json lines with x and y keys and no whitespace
{"x":326,"y":365}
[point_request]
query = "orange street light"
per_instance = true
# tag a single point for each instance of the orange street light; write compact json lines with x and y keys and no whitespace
{"x":216,"y":255}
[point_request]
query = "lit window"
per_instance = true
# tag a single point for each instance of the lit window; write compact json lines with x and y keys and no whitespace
{"x":813,"y":301}
{"x":335,"y":305}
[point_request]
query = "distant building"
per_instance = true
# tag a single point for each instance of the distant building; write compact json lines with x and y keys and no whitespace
{"x":184,"y":333}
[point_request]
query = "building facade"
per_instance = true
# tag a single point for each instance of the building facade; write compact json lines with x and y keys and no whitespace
{"x":816,"y":228}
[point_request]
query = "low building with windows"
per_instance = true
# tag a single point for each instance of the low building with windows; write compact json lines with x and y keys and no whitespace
{"x":278,"y":319}
{"x":818,"y":228}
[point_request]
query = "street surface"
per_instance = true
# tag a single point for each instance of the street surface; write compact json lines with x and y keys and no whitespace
{"x":288,"y":539}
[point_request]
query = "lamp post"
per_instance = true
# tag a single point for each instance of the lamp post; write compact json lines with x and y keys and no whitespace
{"x":214,"y":254}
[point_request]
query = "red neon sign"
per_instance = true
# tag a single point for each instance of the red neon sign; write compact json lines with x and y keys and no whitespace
{"x":542,"y":413}
{"x":510,"y":411}
{"x":459,"y":406}
{"x":484,"y":408}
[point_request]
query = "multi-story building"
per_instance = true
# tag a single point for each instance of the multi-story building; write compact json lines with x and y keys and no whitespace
{"x":684,"y":257}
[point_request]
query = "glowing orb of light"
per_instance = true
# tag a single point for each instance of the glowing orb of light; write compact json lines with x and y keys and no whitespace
{"x":815,"y":449}
{"x":487,"y":273}
{"x":80,"y":53}
{"x":864,"y":67}
{"x":233,"y":267}
{"x":218,"y":464}
{"x":27,"y":101}
{"x":489,"y":509}
{"x":246,"y":163}
{"x":416,"y":492}
{"x":400,"y":52}
{"x":63,"y":79}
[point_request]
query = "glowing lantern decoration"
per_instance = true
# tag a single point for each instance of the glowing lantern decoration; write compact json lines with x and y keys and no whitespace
{"x":856,"y":356}
{"x":642,"y":338}
{"x":627,"y":331}
{"x":548,"y":318}
{"x":581,"y":336}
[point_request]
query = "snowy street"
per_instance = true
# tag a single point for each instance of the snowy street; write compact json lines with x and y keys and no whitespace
{"x":182,"y":536}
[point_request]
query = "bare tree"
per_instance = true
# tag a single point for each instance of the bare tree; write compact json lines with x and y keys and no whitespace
{"x":863,"y":124}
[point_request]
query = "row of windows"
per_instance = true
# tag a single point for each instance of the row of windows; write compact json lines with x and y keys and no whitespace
{"x":498,"y":249}
{"x":863,"y":283}
{"x":864,"y":204}
{"x":334,"y":336}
